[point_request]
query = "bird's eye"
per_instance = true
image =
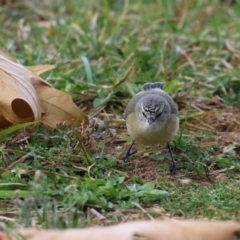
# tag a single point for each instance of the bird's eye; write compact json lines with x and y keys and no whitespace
{"x":159,"y":115}
{"x":144,"y":114}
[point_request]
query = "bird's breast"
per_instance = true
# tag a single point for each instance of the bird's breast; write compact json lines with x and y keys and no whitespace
{"x":156,"y":133}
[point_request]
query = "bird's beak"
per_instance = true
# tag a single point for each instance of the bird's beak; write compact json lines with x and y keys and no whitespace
{"x":150,"y":120}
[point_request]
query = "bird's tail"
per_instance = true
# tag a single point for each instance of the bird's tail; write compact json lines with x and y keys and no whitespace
{"x":149,"y":86}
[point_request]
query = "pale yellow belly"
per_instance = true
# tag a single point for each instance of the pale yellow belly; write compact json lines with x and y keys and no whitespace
{"x":153,"y":134}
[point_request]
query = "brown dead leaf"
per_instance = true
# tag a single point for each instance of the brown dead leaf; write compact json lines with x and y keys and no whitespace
{"x":150,"y":230}
{"x":18,"y":100}
{"x":58,"y":107}
{"x":222,"y":177}
{"x":27,"y":97}
{"x":40,"y":69}
{"x":4,"y":122}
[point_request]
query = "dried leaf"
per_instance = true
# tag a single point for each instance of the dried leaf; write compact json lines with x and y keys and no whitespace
{"x":4,"y":122}
{"x":40,"y":69}
{"x":222,"y":177}
{"x":18,"y":100}
{"x":230,"y":148}
{"x":26,"y":97}
{"x":149,"y":230}
{"x":58,"y":106}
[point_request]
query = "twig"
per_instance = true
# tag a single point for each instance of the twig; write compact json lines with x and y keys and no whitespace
{"x":88,"y":169}
{"x":20,"y":160}
{"x":97,"y":214}
{"x":7,"y":219}
{"x":222,"y":170}
{"x":143,"y":210}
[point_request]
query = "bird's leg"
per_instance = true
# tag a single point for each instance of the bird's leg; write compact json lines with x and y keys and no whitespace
{"x":173,"y":168}
{"x":129,"y":153}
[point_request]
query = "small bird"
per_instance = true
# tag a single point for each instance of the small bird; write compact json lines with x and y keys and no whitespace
{"x":152,"y":118}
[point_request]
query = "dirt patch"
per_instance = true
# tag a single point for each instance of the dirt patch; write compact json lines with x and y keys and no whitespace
{"x":148,"y":169}
{"x":139,"y":165}
{"x":214,"y":115}
{"x":228,"y":139}
{"x":225,"y":120}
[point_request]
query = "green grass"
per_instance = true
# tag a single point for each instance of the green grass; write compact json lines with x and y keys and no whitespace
{"x":104,"y":51}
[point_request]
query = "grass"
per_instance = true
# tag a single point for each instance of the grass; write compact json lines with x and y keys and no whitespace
{"x":104,"y":51}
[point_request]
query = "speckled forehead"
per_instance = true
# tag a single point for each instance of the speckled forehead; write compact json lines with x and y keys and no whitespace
{"x":151,"y":109}
{"x":150,"y":106}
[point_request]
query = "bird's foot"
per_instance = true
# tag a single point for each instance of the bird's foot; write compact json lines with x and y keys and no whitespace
{"x":128,"y":154}
{"x":173,"y":168}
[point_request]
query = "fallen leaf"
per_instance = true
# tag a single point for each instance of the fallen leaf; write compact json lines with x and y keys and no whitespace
{"x":18,"y":100}
{"x":185,"y":181}
{"x":222,"y":177}
{"x":58,"y":107}
{"x":4,"y":122}
{"x":149,"y":230}
{"x":26,"y":97}
{"x":230,"y":148}
{"x":40,"y":69}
